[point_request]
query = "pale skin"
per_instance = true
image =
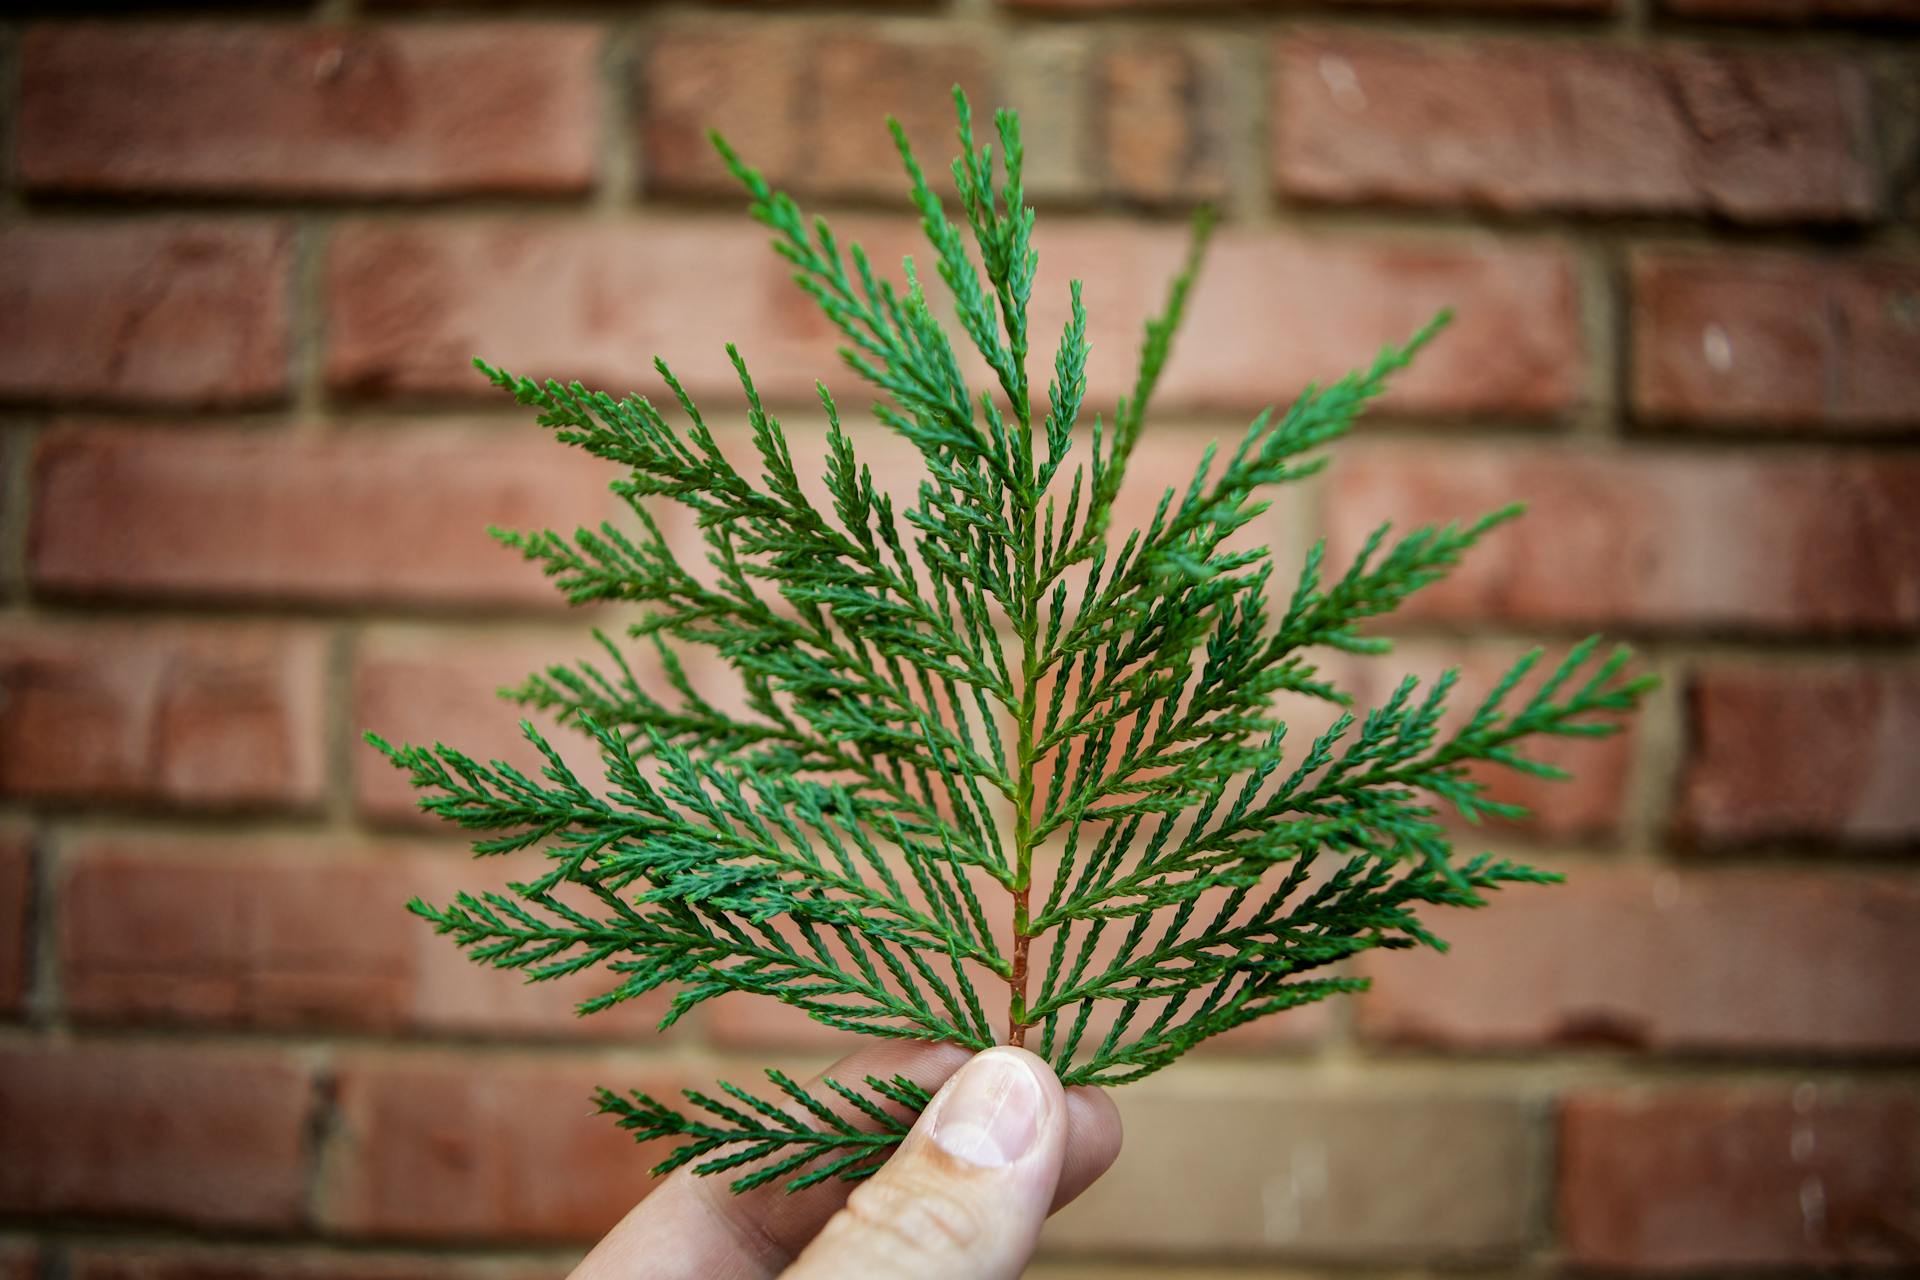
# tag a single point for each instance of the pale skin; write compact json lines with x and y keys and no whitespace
{"x":963,"y":1198}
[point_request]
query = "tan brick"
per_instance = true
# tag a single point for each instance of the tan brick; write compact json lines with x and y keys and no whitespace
{"x":194,"y":715}
{"x":1770,"y":543}
{"x":166,"y":312}
{"x":1720,"y":962}
{"x":1748,"y":340}
{"x":467,"y":1147}
{"x":1708,"y":1178}
{"x":1515,"y":125}
{"x":395,"y":518}
{"x":1295,"y":1170}
{"x":179,"y":1133}
{"x":284,"y":110}
{"x":1801,"y":752}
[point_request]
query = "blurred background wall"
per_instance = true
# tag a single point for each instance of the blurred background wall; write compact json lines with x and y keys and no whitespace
{"x":246,"y":253}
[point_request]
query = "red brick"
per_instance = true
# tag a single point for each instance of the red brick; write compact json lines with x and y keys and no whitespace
{"x":1769,"y":543}
{"x":1165,"y":120}
{"x":16,"y":921}
{"x":1801,"y":752}
{"x":1755,"y":339}
{"x":482,"y":1147}
{"x":1515,"y":125}
{"x":20,"y":1260}
{"x":1707,"y":1178}
{"x":298,"y":933}
{"x":193,"y":715}
{"x":374,"y":517}
{"x":283,"y":110}
{"x":1719,"y":962}
{"x":1273,"y":312}
{"x":185,"y":1134}
{"x":1288,"y":1168}
{"x":254,"y":1262}
{"x":420,"y":686}
{"x":805,"y":106}
{"x":1587,"y":806}
{"x":1795,"y":10}
{"x":163,"y":312}
{"x":408,"y":305}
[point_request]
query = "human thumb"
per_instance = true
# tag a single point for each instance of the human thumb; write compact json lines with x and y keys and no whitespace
{"x":964,"y":1197}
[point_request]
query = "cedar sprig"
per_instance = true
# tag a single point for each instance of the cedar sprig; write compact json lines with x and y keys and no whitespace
{"x":945,"y":700}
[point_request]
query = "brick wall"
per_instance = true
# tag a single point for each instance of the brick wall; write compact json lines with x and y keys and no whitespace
{"x":245,"y":255}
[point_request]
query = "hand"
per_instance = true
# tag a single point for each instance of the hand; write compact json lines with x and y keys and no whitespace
{"x":1001,"y":1147}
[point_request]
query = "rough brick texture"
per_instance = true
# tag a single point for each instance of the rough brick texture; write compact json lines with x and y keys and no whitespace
{"x":1520,"y":126}
{"x":16,"y":921}
{"x":1804,"y":752}
{"x":1738,"y":1180}
{"x":248,"y":254}
{"x":1746,"y":340}
{"x":1764,"y":543}
{"x":408,"y":306}
{"x":178,"y":1133}
{"x":393,"y":517}
{"x":200,"y":716}
{"x":440,"y":1146}
{"x":1311,"y":1174}
{"x":277,"y":933}
{"x":166,"y":312}
{"x":1726,"y":962}
{"x":278,"y":110}
{"x":805,"y":107}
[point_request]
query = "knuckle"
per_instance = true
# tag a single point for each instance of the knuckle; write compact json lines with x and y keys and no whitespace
{"x":922,"y":1214}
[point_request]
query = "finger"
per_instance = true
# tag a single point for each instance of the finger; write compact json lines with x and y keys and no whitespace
{"x":965,"y":1195}
{"x":1093,"y":1142}
{"x":695,"y":1228}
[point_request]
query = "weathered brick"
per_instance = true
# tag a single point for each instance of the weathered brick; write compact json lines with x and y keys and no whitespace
{"x":806,"y":106}
{"x":176,"y":1133}
{"x":1165,"y":120}
{"x":1047,"y":75}
{"x":1766,"y":339}
{"x":1588,"y":805}
{"x":409,"y":304}
{"x":384,"y":517}
{"x":1274,"y":312}
{"x":1516,"y":125}
{"x":1770,"y":543}
{"x":16,"y":921}
{"x":253,"y":109}
{"x":1801,"y":752}
{"x":105,"y":1261}
{"x":467,"y":1147}
{"x":424,"y":686}
{"x":1292,"y":1169}
{"x":163,"y":312}
{"x":1722,"y":962}
{"x":1736,"y":1180}
{"x":194,"y":715}
{"x":1795,"y":10}
{"x":297,"y":933}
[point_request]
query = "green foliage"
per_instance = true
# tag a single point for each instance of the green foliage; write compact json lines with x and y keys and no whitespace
{"x":912,"y":675}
